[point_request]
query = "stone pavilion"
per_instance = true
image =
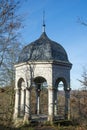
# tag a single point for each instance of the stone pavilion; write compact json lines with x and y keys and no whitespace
{"x":41,"y":63}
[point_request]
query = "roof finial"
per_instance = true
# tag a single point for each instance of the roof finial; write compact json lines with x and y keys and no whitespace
{"x":44,"y":21}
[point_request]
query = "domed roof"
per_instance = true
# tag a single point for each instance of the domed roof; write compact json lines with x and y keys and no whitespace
{"x":43,"y":49}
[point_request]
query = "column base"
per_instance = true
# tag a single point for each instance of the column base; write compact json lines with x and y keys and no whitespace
{"x":15,"y":116}
{"x":50,"y":118}
{"x":67,"y":116}
{"x":27,"y":119}
{"x":18,"y":122}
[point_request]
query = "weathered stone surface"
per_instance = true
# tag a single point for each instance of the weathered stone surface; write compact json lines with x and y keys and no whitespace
{"x":47,"y":60}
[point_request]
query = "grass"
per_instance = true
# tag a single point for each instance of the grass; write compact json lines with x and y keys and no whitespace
{"x":45,"y":128}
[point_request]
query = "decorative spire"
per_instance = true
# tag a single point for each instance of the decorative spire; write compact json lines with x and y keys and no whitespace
{"x":44,"y":21}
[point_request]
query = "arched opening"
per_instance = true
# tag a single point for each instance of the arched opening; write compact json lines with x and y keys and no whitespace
{"x":60,"y":97}
{"x":39,"y":96}
{"x":21,"y":100}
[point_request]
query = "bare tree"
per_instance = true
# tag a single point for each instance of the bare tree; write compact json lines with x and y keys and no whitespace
{"x":84,"y":79}
{"x":10,"y":23}
{"x":83,"y":22}
{"x":79,"y":100}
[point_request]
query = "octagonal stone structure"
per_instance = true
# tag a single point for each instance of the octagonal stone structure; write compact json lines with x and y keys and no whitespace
{"x":42,"y":61}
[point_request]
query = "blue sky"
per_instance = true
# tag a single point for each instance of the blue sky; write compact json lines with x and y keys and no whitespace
{"x":62,"y":26}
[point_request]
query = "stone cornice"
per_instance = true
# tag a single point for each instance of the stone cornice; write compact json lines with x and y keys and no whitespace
{"x":68,"y":64}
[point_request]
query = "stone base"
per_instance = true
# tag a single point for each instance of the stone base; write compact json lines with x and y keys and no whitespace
{"x":18,"y":122}
{"x":21,"y":121}
{"x":27,"y":119}
{"x":15,"y":116}
{"x":50,"y":118}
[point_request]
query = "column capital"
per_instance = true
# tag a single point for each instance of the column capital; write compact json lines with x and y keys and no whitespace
{"x":52,"y":88}
{"x":68,"y":89}
{"x":16,"y":89}
{"x":23,"y":88}
{"x":28,"y":88}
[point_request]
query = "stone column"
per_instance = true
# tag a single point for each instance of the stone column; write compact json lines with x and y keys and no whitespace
{"x":55,"y":102}
{"x":38,"y":105}
{"x":50,"y":104}
{"x":67,"y":103}
{"x":22,"y":109}
{"x":16,"y":108}
{"x":27,"y":116}
{"x":38,"y":101}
